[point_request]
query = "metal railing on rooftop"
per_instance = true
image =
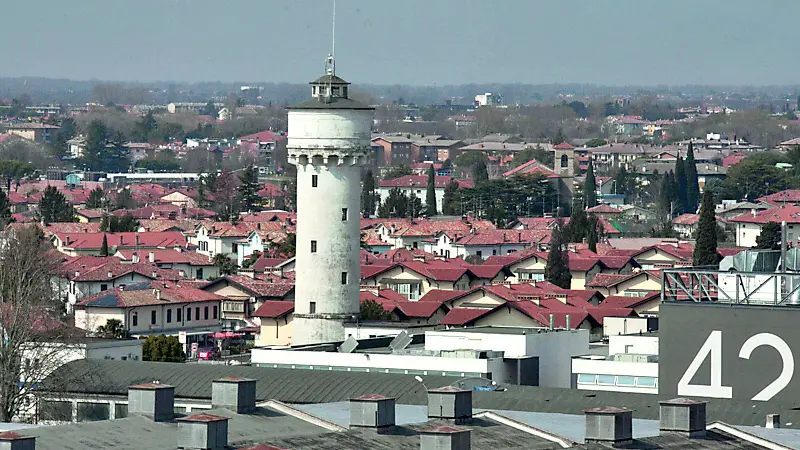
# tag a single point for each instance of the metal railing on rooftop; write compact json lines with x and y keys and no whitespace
{"x":705,"y":285}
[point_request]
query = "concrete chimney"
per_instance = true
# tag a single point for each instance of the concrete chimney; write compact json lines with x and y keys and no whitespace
{"x":234,"y":393}
{"x":609,"y":425}
{"x":552,"y":322}
{"x":372,"y":411}
{"x":135,"y":258}
{"x":153,"y":400}
{"x":684,"y":416}
{"x":203,"y":432}
{"x":11,"y":440}
{"x":110,"y":274}
{"x":151,"y":257}
{"x":450,"y":403}
{"x":773,"y":421}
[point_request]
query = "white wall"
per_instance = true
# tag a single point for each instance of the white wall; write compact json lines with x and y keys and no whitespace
{"x":361,"y":331}
{"x":635,"y":344}
{"x":614,"y":326}
{"x":592,"y":366}
{"x":433,"y":365}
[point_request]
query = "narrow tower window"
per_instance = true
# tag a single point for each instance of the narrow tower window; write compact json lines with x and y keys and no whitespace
{"x":312,"y":307}
{"x":313,"y":246}
{"x":344,"y":277}
{"x":344,"y":214}
{"x":314,"y":180}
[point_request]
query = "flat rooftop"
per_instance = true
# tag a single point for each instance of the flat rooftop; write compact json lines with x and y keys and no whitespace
{"x":502,"y":330}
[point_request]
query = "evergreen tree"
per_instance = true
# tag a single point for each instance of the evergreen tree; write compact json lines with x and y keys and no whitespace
{"x":124,"y":200}
{"x":594,"y":233}
{"x":54,"y":207}
{"x":104,"y":246}
{"x":248,"y":189}
{"x":430,"y":194}
{"x":578,"y":227}
{"x":372,"y":310}
{"x":705,"y":249}
{"x":667,"y":194}
{"x":449,"y":200}
{"x":368,"y":197}
{"x":590,"y":187}
{"x":770,"y":237}
{"x":95,"y":199}
{"x":479,"y":172}
{"x":557,"y":269}
{"x":395,"y":205}
{"x":145,"y":127}
{"x":681,"y":204}
{"x":692,"y":186}
{"x":96,"y":138}
{"x":65,"y":133}
{"x":414,"y":208}
{"x":5,"y":209}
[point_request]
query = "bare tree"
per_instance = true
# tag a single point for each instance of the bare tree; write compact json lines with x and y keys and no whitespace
{"x":35,"y":340}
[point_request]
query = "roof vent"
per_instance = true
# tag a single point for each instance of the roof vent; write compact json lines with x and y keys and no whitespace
{"x":234,"y":393}
{"x":450,"y":403}
{"x":684,"y":416}
{"x":203,"y":432}
{"x":11,"y":440}
{"x":609,"y":424}
{"x":153,"y":400}
{"x":372,"y":411}
{"x":444,"y":437}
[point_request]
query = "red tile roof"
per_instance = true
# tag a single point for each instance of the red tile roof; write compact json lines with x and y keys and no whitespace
{"x":604,"y":209}
{"x":563,"y":146}
{"x":421,"y":181}
{"x":92,"y":241}
{"x":532,"y":167}
{"x":463,"y":316}
{"x":118,"y":268}
{"x":271,"y":309}
{"x":686,"y":219}
{"x":148,"y":293}
{"x":269,"y":286}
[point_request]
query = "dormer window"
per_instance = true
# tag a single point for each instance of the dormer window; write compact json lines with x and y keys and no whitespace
{"x":323,"y":90}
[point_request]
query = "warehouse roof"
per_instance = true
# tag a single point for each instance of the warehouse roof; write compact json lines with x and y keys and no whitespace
{"x":314,"y":386}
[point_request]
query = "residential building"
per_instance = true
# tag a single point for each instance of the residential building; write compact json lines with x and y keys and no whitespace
{"x":87,"y":244}
{"x":244,"y":294}
{"x":637,"y":284}
{"x":397,"y":150}
{"x":194,"y":265}
{"x":748,"y":226}
{"x":275,"y":323}
{"x":36,"y":132}
{"x":152,"y":307}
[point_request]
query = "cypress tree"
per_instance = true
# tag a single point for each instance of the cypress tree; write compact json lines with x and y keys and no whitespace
{"x":449,"y":199}
{"x":248,"y":189}
{"x":104,"y":246}
{"x":705,"y":249}
{"x":590,"y":187}
{"x":692,"y":185}
{"x":557,"y":269}
{"x":430,"y":195}
{"x":594,"y":232}
{"x":5,"y":209}
{"x":368,"y":195}
{"x":680,"y":180}
{"x":578,"y":226}
{"x":54,"y":207}
{"x":479,"y":172}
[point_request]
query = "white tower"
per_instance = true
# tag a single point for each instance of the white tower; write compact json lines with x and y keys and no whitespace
{"x":328,"y":141}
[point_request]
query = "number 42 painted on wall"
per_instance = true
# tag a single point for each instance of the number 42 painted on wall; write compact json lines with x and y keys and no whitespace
{"x":713,"y":348}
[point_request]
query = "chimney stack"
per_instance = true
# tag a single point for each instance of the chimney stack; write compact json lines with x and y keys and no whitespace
{"x":234,"y":393}
{"x":135,"y":258}
{"x":444,"y":438}
{"x":773,"y":421}
{"x":684,"y":416}
{"x":151,"y":256}
{"x":11,"y":440}
{"x":609,"y":425}
{"x":152,"y":400}
{"x":372,"y":411}
{"x":203,"y":432}
{"x":450,"y":403}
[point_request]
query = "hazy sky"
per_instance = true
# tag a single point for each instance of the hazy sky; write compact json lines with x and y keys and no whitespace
{"x":421,"y":42}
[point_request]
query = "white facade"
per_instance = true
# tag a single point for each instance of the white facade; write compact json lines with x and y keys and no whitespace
{"x":154,"y":319}
{"x":328,"y":145}
{"x":632,"y":366}
{"x":747,"y":233}
{"x":361,"y":330}
{"x":421,"y":192}
{"x":80,"y":289}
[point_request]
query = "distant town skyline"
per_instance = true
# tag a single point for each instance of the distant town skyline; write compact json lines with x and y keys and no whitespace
{"x":414,"y":42}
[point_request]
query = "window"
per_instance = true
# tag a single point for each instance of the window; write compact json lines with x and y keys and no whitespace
{"x":135,"y":319}
{"x":494,"y":252}
{"x":103,"y":287}
{"x":344,"y":277}
{"x":344,"y":91}
{"x":312,"y":307}
{"x":152,"y":317}
{"x":335,"y":90}
{"x":605,"y":379}
{"x":646,"y":382}
{"x":169,"y":316}
{"x":313,"y":246}
{"x":314,"y":180}
{"x":586,"y":378}
{"x":344,"y":214}
{"x":197,"y":313}
{"x":205,"y":313}
{"x":234,"y":247}
{"x":216,"y":312}
{"x":625,"y":381}
{"x":178,"y":314}
{"x":199,"y":274}
{"x":188,"y":314}
{"x":479,"y":253}
{"x":564,"y":161}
